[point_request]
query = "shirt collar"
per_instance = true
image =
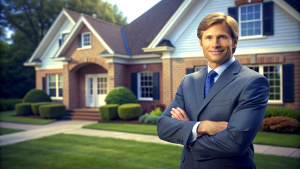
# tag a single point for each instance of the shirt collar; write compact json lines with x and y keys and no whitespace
{"x":221,"y":68}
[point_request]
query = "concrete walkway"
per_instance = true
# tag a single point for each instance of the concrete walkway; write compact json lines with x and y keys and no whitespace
{"x":75,"y":127}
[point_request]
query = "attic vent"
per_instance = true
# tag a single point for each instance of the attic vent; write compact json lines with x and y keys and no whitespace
{"x":94,"y":15}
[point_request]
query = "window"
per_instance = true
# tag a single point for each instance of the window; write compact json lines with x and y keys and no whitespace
{"x":55,"y":85}
{"x":250,"y":20}
{"x":199,"y":68}
{"x":145,"y":85}
{"x":273,"y":74}
{"x":86,"y":39}
{"x":63,"y":37}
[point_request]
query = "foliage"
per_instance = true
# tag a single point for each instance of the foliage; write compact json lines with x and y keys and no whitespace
{"x":120,"y":95}
{"x":280,"y":124}
{"x":36,"y":95}
{"x":273,"y":112}
{"x":129,"y":111}
{"x":23,"y":109}
{"x":142,"y":118}
{"x":9,"y":104}
{"x":109,"y":111}
{"x":156,"y":112}
{"x":152,"y":119}
{"x":52,"y":111}
{"x":35,"y":107}
{"x":10,"y":116}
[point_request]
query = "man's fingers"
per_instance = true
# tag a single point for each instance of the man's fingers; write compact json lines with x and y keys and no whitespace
{"x":182,"y":113}
{"x":174,"y":115}
{"x":178,"y":113}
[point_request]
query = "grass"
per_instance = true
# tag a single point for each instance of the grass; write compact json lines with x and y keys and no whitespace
{"x":124,"y":127}
{"x":8,"y":131}
{"x":266,"y":138}
{"x":74,"y":151}
{"x":278,"y":139}
{"x":10,"y":116}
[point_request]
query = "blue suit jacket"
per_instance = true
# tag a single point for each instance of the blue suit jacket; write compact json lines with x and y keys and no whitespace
{"x":239,"y":97}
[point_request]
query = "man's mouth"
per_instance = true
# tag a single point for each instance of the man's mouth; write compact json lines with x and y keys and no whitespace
{"x":216,"y":52}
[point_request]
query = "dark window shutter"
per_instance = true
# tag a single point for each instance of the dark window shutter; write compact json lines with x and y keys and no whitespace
{"x":44,"y":84}
{"x":288,"y":82}
{"x":79,"y":41}
{"x":234,"y":12}
{"x":155,"y":86}
{"x":134,"y":83}
{"x":188,"y":71}
{"x":59,"y":42}
{"x":268,"y":18}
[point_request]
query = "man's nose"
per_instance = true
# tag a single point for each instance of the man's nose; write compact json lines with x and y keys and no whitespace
{"x":215,"y":43}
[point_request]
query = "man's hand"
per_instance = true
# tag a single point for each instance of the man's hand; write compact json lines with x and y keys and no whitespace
{"x":211,"y":127}
{"x":179,"y":114}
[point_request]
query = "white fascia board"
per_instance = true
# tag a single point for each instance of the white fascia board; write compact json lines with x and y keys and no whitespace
{"x":98,"y":36}
{"x":115,"y":56}
{"x":69,"y":17}
{"x":45,"y":38}
{"x":288,"y":9}
{"x":63,"y":59}
{"x":135,"y":59}
{"x":159,"y":49}
{"x":34,"y":64}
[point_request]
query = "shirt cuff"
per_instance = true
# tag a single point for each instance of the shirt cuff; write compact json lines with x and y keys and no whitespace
{"x":194,"y":135}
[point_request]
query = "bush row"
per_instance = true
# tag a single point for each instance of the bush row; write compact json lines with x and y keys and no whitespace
{"x":44,"y":109}
{"x":284,"y":112}
{"x":127,"y":111}
{"x":8,"y":104}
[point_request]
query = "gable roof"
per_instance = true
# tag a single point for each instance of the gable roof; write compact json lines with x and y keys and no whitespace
{"x":144,"y":29}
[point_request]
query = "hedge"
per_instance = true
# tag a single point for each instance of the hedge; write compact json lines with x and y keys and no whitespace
{"x":120,"y":95}
{"x":23,"y":109}
{"x":129,"y":111}
{"x":9,"y":104}
{"x":109,"y":111}
{"x":280,"y":124}
{"x":36,"y":95}
{"x":285,"y":112}
{"x":52,"y":111}
{"x":142,"y":118}
{"x":152,"y":119}
{"x":35,"y":107}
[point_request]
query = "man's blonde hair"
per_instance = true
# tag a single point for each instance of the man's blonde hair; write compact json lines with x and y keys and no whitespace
{"x":218,"y":17}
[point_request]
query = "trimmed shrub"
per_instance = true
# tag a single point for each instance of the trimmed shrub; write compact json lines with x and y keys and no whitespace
{"x":9,"y":104}
{"x":35,"y":95}
{"x":35,"y":107}
{"x":109,"y":111}
{"x":274,"y":112}
{"x":52,"y":111}
{"x":280,"y":124}
{"x":129,"y":111}
{"x":23,"y":109}
{"x":152,"y":119}
{"x":142,"y":118}
{"x":120,"y":95}
{"x":156,"y":112}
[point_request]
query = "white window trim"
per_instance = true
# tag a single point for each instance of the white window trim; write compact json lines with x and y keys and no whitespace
{"x":63,"y":32}
{"x":82,"y":40}
{"x":138,"y":88}
{"x":261,"y":71}
{"x":57,"y":97}
{"x":240,"y":24}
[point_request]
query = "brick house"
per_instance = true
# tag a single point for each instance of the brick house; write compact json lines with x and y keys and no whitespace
{"x":82,"y":58}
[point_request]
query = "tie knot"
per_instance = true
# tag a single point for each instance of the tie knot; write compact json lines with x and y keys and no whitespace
{"x":212,"y":74}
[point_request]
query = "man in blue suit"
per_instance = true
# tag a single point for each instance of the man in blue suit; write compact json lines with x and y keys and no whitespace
{"x":218,"y":111}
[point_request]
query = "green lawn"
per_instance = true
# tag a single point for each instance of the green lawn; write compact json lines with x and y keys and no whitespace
{"x":8,"y":131}
{"x":75,"y":151}
{"x":10,"y":116}
{"x":266,"y":138}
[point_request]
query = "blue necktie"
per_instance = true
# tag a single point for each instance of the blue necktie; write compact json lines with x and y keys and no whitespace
{"x":209,"y":82}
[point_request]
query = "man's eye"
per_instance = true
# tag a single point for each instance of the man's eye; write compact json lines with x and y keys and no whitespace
{"x":222,"y":37}
{"x":208,"y":37}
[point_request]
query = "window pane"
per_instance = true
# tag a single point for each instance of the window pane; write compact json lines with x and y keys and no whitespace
{"x":146,"y":84}
{"x":251,"y":20}
{"x":273,"y":75}
{"x":52,"y":92}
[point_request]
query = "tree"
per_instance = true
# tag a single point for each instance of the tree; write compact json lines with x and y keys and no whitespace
{"x":30,"y":20}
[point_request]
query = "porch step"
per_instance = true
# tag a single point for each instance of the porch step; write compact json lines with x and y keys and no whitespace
{"x":83,"y":114}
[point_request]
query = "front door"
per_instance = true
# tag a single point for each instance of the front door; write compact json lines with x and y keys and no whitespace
{"x":96,"y":89}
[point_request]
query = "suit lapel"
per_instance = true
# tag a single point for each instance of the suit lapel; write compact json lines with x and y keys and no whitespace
{"x":226,"y":77}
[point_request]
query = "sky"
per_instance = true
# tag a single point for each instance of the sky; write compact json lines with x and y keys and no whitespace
{"x":133,"y":8}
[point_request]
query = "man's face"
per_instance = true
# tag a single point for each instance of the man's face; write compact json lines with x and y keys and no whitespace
{"x":217,"y":44}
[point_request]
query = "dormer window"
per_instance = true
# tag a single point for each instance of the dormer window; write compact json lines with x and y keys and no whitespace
{"x":250,"y":20}
{"x":63,"y":37}
{"x":84,"y":40}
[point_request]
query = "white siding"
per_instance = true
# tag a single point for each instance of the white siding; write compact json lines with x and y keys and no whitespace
{"x":286,"y":31}
{"x":53,"y":47}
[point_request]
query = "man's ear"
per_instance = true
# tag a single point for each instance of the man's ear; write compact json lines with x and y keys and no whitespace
{"x":235,"y":42}
{"x":200,"y":44}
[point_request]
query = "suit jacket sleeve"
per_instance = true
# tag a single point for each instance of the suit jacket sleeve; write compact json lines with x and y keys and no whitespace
{"x":243,"y":125}
{"x":173,"y":130}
